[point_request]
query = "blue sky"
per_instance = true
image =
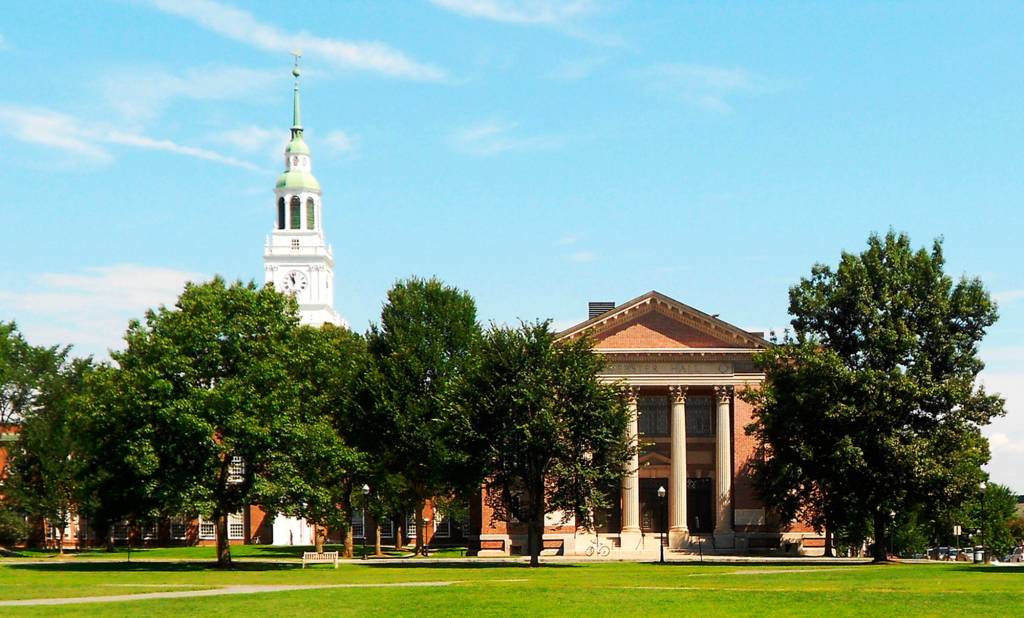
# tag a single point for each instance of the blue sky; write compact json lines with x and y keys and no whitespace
{"x":538,"y":154}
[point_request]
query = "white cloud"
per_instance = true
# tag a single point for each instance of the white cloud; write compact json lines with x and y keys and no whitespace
{"x":340,"y":142}
{"x":239,"y":25}
{"x":545,"y":12}
{"x":69,"y":134}
{"x":141,"y":94}
{"x":3,"y":43}
{"x":1008,"y":296}
{"x":560,"y":15}
{"x":149,"y":143}
{"x":494,"y":137}
{"x":255,"y":139}
{"x":583,"y":257}
{"x":706,"y":87}
{"x":1006,"y":434}
{"x":49,"y":128}
{"x":90,"y":309}
{"x":570,"y":239}
{"x":575,"y":70}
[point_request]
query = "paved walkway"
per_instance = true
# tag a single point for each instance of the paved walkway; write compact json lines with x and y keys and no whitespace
{"x":247,"y":589}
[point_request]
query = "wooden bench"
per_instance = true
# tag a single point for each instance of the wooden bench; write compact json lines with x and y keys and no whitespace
{"x":311,"y":557}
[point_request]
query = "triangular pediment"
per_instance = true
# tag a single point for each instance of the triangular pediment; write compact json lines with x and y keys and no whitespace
{"x":656,"y":322}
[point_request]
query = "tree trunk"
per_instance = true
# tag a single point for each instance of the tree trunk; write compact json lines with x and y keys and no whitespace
{"x":399,"y":536}
{"x":319,"y":537}
{"x":878,"y":549}
{"x":420,"y":532}
{"x":223,"y":545}
{"x":60,"y":541}
{"x":536,"y":525}
{"x":829,"y":540}
{"x":376,"y":541}
{"x":349,"y":552}
{"x":536,"y":537}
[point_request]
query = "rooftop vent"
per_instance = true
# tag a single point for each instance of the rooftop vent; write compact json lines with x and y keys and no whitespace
{"x":595,"y":309}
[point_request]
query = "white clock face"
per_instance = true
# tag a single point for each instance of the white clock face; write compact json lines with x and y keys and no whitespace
{"x":294,"y":282}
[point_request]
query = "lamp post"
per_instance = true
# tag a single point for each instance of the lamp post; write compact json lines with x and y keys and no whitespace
{"x":661,"y":501}
{"x":892,"y":531}
{"x":981,"y":528}
{"x":366,"y":494}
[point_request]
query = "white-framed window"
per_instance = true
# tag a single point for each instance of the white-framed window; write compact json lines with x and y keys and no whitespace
{"x":387,"y":529}
{"x":236,"y":469}
{"x":358,"y":523}
{"x":149,"y":532}
{"x":236,"y":526}
{"x":120,"y":531}
{"x":53,"y":531}
{"x":410,"y":526}
{"x":178,"y":528}
{"x":207,"y":530}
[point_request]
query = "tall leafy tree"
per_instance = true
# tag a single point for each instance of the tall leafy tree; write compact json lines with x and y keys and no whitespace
{"x":808,"y":468}
{"x":552,"y":435}
{"x":209,"y":390}
{"x":900,"y":341}
{"x":118,"y":454}
{"x":992,"y":511}
{"x":22,"y":368}
{"x":44,"y":480}
{"x":421,"y":349}
{"x":318,"y":468}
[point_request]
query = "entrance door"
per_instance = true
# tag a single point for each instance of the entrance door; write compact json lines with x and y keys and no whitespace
{"x":651,"y":508}
{"x":698,"y":505}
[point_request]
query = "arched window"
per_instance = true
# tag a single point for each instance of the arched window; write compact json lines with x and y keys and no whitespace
{"x":296,"y":206}
{"x":280,"y":213}
{"x":310,"y":214}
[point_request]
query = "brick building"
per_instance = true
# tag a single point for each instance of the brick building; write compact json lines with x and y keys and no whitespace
{"x":683,"y":369}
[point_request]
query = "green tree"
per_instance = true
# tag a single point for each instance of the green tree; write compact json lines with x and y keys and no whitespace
{"x":318,"y":468}
{"x":905,"y":404}
{"x":808,"y":467}
{"x":117,"y":450}
{"x":992,"y":511}
{"x":22,"y":368}
{"x":551,"y":433}
{"x":207,"y":388}
{"x":44,"y":480}
{"x":421,"y":349}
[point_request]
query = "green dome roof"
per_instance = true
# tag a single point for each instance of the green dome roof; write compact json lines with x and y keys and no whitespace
{"x":297,"y":146}
{"x":297,"y":180}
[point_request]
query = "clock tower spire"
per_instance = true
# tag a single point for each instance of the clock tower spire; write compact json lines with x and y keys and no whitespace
{"x":296,"y":256}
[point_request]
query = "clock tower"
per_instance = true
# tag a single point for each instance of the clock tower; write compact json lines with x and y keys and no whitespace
{"x":296,"y":258}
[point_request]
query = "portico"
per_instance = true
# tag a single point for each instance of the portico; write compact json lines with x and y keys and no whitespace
{"x":682,"y":370}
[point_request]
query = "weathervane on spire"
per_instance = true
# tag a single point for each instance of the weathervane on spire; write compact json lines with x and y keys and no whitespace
{"x":296,"y":114}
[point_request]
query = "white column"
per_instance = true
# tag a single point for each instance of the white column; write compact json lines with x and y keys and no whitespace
{"x":723,"y":468}
{"x":630,"y":533}
{"x":678,"y":531}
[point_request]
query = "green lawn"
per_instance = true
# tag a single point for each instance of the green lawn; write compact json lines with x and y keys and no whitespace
{"x":268,"y":552}
{"x":504,"y":589}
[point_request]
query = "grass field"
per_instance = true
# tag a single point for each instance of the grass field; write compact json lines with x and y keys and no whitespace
{"x":564,"y":589}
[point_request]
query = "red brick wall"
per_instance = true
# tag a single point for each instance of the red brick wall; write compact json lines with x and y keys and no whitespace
{"x":256,"y":530}
{"x":744,"y":448}
{"x":656,"y":330}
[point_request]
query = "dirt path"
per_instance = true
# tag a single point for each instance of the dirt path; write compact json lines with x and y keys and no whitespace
{"x":181,"y":594}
